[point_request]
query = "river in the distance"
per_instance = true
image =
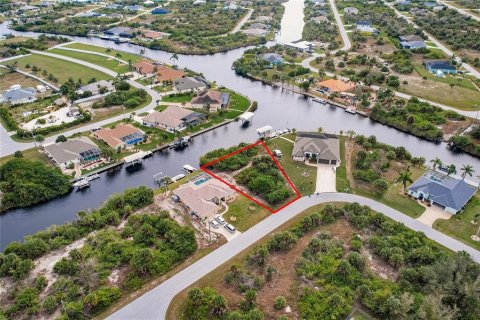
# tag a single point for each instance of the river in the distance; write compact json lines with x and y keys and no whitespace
{"x":292,"y":23}
{"x":277,"y":108}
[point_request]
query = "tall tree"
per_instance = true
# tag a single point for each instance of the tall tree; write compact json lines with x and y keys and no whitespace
{"x":405,"y":177}
{"x":467,"y":170}
{"x":436,"y":162}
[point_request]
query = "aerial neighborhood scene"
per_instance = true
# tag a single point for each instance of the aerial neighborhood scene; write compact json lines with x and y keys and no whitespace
{"x":229,"y":159}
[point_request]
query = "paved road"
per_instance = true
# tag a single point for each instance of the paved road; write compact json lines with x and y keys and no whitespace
{"x":465,"y":12}
{"x":9,"y":146}
{"x":447,"y":51}
{"x":61,"y":47}
{"x":347,"y":45}
{"x":242,"y":22}
{"x":154,"y":304}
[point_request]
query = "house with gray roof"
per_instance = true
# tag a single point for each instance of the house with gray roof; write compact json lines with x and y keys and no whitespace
{"x":190,"y":84}
{"x":448,"y":193}
{"x":17,"y":95}
{"x":77,"y":151}
{"x":317,"y":147}
{"x":97,"y":87}
{"x":273,"y":58}
{"x":350,"y":10}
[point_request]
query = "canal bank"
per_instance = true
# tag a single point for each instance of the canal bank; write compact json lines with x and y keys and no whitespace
{"x":276,"y":107}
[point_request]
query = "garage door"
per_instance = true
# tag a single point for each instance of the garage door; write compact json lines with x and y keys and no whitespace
{"x":323,"y":161}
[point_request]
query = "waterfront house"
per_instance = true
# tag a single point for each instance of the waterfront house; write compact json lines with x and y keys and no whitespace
{"x":301,"y":46}
{"x":412,"y":41}
{"x":440,"y":68}
{"x":123,"y":135}
{"x":125,"y":32}
{"x":318,"y":147}
{"x":273,"y":58}
{"x":211,"y":99}
{"x":190,"y":84}
{"x":204,"y":195}
{"x":255,"y":32}
{"x":449,"y":193}
{"x":18,"y":95}
{"x":145,"y":67}
{"x":165,"y":73}
{"x":335,"y":85}
{"x":73,"y":151}
{"x":96,"y":88}
{"x":173,"y":119}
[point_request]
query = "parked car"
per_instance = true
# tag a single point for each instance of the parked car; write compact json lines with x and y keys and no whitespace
{"x":229,"y":227}
{"x":220,"y":220}
{"x":214,"y":223}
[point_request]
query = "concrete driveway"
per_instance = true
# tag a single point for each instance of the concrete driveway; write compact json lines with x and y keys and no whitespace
{"x":432,"y":214}
{"x":326,"y":178}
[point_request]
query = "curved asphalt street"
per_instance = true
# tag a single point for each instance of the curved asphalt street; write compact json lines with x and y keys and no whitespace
{"x":348,"y":45}
{"x":9,"y":146}
{"x":154,"y":304}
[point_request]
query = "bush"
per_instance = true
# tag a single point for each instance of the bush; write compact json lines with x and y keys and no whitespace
{"x":66,"y":267}
{"x":102,"y":298}
{"x":280,"y":303}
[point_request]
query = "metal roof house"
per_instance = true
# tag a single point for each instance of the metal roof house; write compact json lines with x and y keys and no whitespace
{"x":18,"y":96}
{"x":449,"y":193}
{"x":324,"y":148}
{"x":440,"y":67}
{"x":273,"y":58}
{"x":79,"y":150}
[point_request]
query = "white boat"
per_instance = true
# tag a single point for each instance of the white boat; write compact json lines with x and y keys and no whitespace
{"x":84,"y":183}
{"x":351,"y":110}
{"x":320,"y":100}
{"x":178,"y":177}
{"x":93,"y":177}
{"x":188,"y":169}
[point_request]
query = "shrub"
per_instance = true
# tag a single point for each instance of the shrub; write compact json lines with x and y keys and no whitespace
{"x":280,"y":303}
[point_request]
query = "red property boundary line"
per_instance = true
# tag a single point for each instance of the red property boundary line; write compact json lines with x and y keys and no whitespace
{"x":260,"y":142}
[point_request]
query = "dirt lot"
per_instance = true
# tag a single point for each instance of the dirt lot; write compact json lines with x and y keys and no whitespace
{"x":8,"y":79}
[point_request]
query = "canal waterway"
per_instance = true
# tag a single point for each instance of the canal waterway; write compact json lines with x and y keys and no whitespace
{"x":278,"y":108}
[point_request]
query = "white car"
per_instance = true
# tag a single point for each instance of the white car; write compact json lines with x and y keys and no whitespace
{"x":230,"y":228}
{"x":220,"y":220}
{"x":214,"y":223}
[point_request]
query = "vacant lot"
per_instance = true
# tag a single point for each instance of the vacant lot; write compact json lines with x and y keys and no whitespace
{"x":125,"y":55}
{"x":60,"y":69}
{"x":109,"y":63}
{"x":12,"y":78}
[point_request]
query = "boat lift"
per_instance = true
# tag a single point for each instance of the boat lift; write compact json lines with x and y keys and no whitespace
{"x":136,"y":158}
{"x":246,"y":117}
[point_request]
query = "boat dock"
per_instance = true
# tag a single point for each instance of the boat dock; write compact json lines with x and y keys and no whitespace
{"x":136,"y":158}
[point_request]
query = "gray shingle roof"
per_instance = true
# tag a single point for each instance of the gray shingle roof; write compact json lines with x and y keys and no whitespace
{"x":70,"y":149}
{"x":326,"y":146}
{"x":188,"y":83}
{"x":446,"y":191}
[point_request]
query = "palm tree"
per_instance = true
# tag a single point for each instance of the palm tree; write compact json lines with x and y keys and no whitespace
{"x":118,"y":55}
{"x":451,"y":169}
{"x":142,"y":52}
{"x":436,"y":162}
{"x":108,"y":50}
{"x":174,"y":57}
{"x":320,"y":130}
{"x":476,"y":218}
{"x":405,"y":177}
{"x":467,"y":169}
{"x":350,"y":134}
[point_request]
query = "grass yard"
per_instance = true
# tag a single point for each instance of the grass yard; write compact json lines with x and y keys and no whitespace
{"x":61,"y":69}
{"x":30,"y":154}
{"x":125,"y":55}
{"x":459,"y":226}
{"x":109,"y":63}
{"x":343,"y":185}
{"x":303,"y":177}
{"x":241,"y":215}
{"x":238,"y":102}
{"x":180,"y":97}
{"x":463,"y":95}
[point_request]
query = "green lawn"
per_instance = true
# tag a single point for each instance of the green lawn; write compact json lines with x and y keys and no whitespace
{"x":238,"y":102}
{"x":125,"y":55}
{"x":343,"y":185}
{"x":459,"y":226}
{"x":303,"y":177}
{"x":61,"y":69}
{"x":109,"y":63}
{"x":181,"y":97}
{"x":241,"y":216}
{"x":30,"y":154}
